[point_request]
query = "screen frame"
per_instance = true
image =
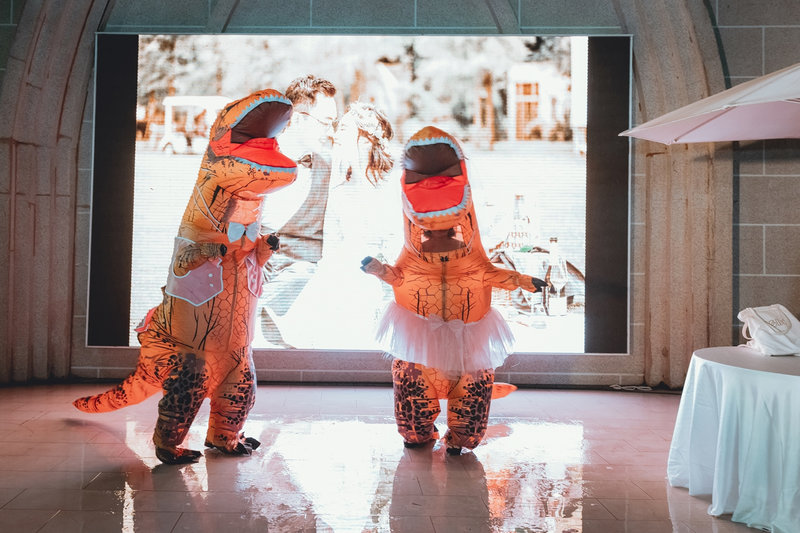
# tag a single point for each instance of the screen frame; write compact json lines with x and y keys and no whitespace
{"x":608,"y":277}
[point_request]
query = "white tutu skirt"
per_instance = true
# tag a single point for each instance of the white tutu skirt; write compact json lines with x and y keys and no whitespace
{"x":452,"y":347}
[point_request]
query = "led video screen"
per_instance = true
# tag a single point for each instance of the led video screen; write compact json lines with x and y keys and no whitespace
{"x":521,"y":108}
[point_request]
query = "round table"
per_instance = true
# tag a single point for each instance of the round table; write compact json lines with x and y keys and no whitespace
{"x":737,"y":436}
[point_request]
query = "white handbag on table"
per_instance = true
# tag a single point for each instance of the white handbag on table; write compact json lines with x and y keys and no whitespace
{"x":771,"y":329}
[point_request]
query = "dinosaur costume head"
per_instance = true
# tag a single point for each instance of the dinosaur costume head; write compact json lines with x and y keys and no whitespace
{"x":436,"y":190}
{"x":241,"y":165}
{"x":244,"y":136}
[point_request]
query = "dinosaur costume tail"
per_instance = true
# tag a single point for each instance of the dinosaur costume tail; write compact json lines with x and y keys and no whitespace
{"x":131,"y":391}
{"x":501,"y":390}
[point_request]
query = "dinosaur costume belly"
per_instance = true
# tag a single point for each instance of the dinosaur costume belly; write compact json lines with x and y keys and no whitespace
{"x":442,"y":315}
{"x":212,"y":307}
{"x":441,"y":330}
{"x":196,"y":343}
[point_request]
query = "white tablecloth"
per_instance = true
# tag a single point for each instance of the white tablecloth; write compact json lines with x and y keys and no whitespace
{"x":737,"y":436}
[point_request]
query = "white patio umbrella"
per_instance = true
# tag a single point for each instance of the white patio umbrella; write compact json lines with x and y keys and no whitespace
{"x":764,"y":108}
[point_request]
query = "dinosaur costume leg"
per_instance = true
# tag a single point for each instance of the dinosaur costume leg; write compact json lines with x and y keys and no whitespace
{"x":416,"y":402}
{"x":231,"y":401}
{"x":417,"y":390}
{"x":184,"y":391}
{"x":468,"y":410}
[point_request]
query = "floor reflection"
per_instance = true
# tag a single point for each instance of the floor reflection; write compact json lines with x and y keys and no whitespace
{"x":535,"y":478}
{"x":332,"y":460}
{"x":356,"y":476}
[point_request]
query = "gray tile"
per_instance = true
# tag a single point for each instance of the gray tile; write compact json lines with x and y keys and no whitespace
{"x":17,"y":7}
{"x":782,"y":157}
{"x":638,"y":198}
{"x":639,"y":248}
{"x":6,"y":38}
{"x":555,"y":13}
{"x":155,"y":12}
{"x":756,"y":12}
{"x":80,"y":521}
{"x":768,"y":200}
{"x":766,"y":290}
{"x":749,"y":157}
{"x":26,"y":521}
{"x":781,"y":250}
{"x":751,"y":249}
{"x":311,"y":376}
{"x":433,"y":13}
{"x":364,"y":13}
{"x":743,"y":51}
{"x":5,"y":11}
{"x":212,"y":522}
{"x":780,"y":45}
{"x":266,"y":375}
{"x":6,"y":495}
{"x":252,"y":14}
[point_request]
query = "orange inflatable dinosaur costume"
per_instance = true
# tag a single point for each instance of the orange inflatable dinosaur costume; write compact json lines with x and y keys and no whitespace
{"x":196,"y":343}
{"x":442,"y":331}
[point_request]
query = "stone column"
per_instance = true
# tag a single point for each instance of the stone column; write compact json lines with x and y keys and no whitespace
{"x":683,"y":192}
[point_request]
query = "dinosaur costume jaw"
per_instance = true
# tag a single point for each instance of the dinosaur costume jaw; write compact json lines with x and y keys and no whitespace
{"x":436,"y":193}
{"x":244,"y":134}
{"x":438,"y":202}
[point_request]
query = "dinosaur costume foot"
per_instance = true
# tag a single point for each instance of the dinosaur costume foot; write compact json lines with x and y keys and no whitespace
{"x":177,"y":456}
{"x":414,"y":445}
{"x":243,"y":447}
{"x":253,"y":443}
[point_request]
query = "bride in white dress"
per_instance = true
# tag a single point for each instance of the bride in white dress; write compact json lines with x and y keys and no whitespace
{"x":339,"y":307}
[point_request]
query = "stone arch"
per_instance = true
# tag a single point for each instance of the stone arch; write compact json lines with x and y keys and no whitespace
{"x":42,"y":104}
{"x":682,"y":281}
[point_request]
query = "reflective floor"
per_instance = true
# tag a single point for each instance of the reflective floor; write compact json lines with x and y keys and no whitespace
{"x":331,"y":460}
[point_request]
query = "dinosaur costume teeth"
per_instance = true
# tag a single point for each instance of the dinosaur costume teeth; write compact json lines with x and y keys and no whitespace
{"x":196,"y":343}
{"x":444,"y":336}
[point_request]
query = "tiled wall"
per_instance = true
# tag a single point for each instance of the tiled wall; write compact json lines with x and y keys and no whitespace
{"x":759,"y":38}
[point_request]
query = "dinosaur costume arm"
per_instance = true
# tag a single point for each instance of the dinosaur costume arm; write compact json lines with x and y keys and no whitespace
{"x":503,"y":278}
{"x":265,"y":247}
{"x":386,"y":273}
{"x":194,"y":254}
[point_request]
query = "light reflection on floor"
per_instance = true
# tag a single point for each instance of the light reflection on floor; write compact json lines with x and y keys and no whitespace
{"x":331,"y":460}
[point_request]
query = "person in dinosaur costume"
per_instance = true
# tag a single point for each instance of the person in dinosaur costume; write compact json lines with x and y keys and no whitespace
{"x":197,"y":343}
{"x":445,"y":337}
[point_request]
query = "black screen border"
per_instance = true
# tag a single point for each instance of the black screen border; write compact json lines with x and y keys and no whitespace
{"x":607,"y":190}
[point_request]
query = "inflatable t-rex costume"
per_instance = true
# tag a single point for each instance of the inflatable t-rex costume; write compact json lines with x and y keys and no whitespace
{"x":445,"y":337}
{"x":196,"y":343}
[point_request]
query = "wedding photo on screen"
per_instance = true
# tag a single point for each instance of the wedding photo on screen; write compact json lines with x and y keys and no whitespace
{"x":517,"y":105}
